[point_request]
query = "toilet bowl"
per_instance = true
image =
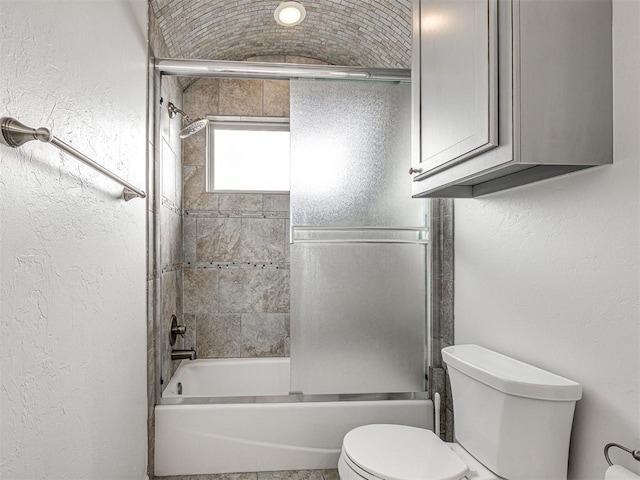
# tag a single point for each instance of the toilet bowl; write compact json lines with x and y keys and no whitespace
{"x":513,"y":422}
{"x":399,"y":452}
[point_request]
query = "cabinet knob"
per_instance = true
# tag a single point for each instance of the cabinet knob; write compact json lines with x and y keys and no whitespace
{"x":414,"y":170}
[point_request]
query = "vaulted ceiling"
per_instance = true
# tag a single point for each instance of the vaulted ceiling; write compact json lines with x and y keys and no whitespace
{"x":368,"y":33}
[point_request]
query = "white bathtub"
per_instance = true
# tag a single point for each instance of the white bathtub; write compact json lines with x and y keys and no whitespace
{"x":230,"y":377}
{"x":213,"y":437}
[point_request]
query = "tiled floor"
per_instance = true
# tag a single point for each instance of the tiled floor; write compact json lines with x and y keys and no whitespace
{"x":283,"y":475}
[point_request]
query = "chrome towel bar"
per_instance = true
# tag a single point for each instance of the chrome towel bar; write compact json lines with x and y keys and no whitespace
{"x":634,"y":453}
{"x":15,"y":134}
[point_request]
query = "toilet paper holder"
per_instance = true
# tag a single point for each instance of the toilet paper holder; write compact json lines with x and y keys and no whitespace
{"x":634,"y":453}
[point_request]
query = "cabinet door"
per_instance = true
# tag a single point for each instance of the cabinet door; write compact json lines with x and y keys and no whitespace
{"x":458,"y":91}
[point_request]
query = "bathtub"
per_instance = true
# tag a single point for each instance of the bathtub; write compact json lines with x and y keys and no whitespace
{"x":230,"y":377}
{"x":236,"y":415}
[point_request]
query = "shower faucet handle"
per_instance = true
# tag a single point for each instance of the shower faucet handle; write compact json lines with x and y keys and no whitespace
{"x":179,"y":330}
{"x":176,"y":330}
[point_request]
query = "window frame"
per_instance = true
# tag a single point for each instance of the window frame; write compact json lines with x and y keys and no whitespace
{"x":232,"y":122}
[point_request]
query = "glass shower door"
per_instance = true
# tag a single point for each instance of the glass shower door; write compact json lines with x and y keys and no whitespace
{"x":358,"y":241}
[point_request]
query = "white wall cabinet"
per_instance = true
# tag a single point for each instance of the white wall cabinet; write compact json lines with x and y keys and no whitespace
{"x":508,"y":92}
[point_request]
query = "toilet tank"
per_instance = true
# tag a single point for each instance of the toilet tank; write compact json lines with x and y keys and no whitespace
{"x":513,"y":417}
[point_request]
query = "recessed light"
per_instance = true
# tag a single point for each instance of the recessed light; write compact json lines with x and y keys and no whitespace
{"x":290,"y":13}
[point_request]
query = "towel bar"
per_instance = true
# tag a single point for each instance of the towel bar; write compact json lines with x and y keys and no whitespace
{"x":14,"y":134}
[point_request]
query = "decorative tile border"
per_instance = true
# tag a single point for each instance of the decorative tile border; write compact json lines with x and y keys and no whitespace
{"x":231,"y":265}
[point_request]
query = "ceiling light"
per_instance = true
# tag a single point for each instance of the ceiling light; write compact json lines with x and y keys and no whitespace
{"x":290,"y":13}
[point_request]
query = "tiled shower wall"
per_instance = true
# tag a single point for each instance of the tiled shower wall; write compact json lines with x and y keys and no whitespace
{"x":170,"y":221}
{"x":235,"y":245}
{"x":164,"y":202}
{"x":170,"y":199}
{"x":440,"y":302}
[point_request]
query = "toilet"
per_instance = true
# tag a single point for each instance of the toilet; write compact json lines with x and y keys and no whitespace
{"x":512,"y":421}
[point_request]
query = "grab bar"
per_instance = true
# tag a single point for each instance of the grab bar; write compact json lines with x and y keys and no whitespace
{"x":15,"y":134}
{"x":634,"y":453}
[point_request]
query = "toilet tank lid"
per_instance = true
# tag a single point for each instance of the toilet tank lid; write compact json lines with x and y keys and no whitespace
{"x":509,"y":375}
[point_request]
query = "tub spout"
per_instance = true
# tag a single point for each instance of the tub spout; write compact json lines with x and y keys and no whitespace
{"x":183,"y":354}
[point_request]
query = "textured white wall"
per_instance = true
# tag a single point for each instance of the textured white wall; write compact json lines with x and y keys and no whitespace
{"x":549,"y":273}
{"x":72,"y":285}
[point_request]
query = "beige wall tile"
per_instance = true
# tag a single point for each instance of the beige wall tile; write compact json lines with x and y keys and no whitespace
{"x":171,"y":305}
{"x":276,"y":98}
{"x":240,"y":290}
{"x":189,"y":238}
{"x":200,"y":290}
{"x":263,"y":335}
{"x":287,"y":237}
{"x":240,"y":202}
{"x":201,"y":98}
{"x":240,"y":97}
{"x":189,"y":321}
{"x":276,"y":202}
{"x":218,"y":336}
{"x":195,"y":197}
{"x":171,"y":237}
{"x":193,"y":149}
{"x":218,"y":239}
{"x":275,"y":290}
{"x":263,"y":240}
{"x":168,"y":179}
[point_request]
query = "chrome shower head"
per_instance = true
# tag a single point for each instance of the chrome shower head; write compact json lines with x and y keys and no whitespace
{"x":192,"y":126}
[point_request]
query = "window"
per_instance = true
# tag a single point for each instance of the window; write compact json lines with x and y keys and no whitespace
{"x":248,"y":154}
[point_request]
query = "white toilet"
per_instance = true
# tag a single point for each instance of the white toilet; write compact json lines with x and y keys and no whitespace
{"x":512,"y":421}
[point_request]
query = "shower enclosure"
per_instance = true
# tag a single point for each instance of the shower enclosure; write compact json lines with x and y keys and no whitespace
{"x":357,"y":279}
{"x":357,"y":253}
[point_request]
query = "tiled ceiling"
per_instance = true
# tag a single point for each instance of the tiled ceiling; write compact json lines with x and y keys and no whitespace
{"x":368,"y":33}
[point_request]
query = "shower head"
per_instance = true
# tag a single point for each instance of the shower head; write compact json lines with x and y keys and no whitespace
{"x":192,"y":126}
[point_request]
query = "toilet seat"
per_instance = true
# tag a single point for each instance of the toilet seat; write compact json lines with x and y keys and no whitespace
{"x":399,"y":452}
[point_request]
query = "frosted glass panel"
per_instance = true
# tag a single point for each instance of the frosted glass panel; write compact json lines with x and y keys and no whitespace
{"x":357,"y":318}
{"x":358,"y":254}
{"x":352,"y":150}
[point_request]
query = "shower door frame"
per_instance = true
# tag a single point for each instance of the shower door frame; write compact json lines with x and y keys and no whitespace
{"x":280,"y":71}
